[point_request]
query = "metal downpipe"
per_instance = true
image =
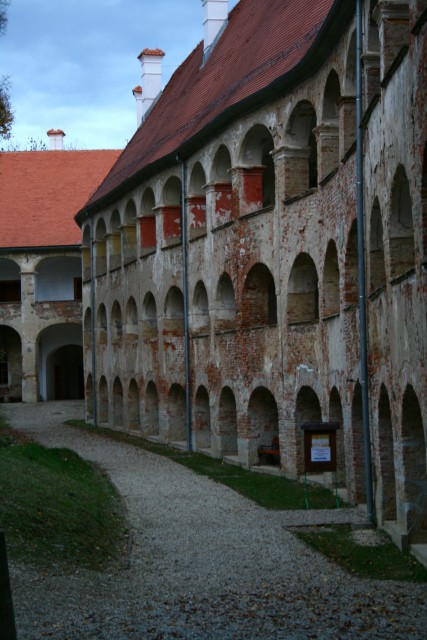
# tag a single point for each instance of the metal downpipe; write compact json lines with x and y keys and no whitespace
{"x":185,"y":296}
{"x":92,"y":325}
{"x":361,"y":269}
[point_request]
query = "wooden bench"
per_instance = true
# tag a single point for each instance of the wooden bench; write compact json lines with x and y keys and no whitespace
{"x":272,"y":452}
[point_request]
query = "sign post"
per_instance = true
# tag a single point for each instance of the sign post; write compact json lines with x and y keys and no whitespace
{"x":7,"y":620}
{"x":320,"y":450}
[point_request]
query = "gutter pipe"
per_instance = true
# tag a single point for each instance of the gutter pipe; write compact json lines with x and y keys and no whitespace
{"x":361,"y":268}
{"x":185,"y":295}
{"x":92,"y":324}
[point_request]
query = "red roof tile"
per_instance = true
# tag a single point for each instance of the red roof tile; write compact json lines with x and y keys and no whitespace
{"x":40,"y":192}
{"x":262,"y":42}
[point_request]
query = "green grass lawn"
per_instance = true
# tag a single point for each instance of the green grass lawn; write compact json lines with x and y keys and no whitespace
{"x":381,"y":562}
{"x":57,"y":508}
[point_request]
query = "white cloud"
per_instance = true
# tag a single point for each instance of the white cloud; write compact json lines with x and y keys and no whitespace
{"x":74,"y":64}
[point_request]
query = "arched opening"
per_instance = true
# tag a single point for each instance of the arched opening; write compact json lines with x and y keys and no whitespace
{"x":131,"y":317}
{"x":259,"y":302}
{"x":103,"y":401}
{"x":414,"y":507}
{"x":300,"y":150}
{"x":222,"y":197}
{"x":10,"y":365}
{"x":372,"y":56}
{"x":336,"y":415}
{"x":348,"y":101}
{"x":60,"y":366}
{"x":358,"y":489}
{"x":331,"y":281}
{"x":303,"y":291}
{"x":174,"y":312}
{"x":263,"y":420}
{"x":227,"y":423}
{"x":147,"y":223}
{"x":172,"y":210}
{"x":86,"y":250}
{"x":101,"y":325}
{"x":176,"y":414}
{"x":351,"y":291}
{"x":87,"y":328}
{"x":402,"y":247}
{"x":196,"y":201}
{"x":100,"y":248}
{"x":115,"y":241}
{"x":59,"y":279}
{"x":10,"y":281}
{"x":350,"y":67}
{"x":89,"y":397}
{"x":151,"y":410}
{"x":386,"y":481}
{"x":377,"y":276}
{"x":129,"y":232}
{"x":424,"y":202}
{"x":307,"y":409}
{"x":116,"y":324}
{"x":328,"y":131}
{"x":149,"y":316}
{"x":117,"y":403}
{"x":225,"y":317}
{"x":200,"y":310}
{"x":64,"y":373}
{"x":133,"y":406}
{"x":258,"y":185}
{"x":202,"y":420}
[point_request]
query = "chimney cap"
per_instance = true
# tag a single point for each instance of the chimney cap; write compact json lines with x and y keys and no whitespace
{"x":151,"y":52}
{"x":55,"y":132}
{"x":137,"y":89}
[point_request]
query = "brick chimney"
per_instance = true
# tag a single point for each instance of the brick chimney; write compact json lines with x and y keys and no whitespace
{"x":215,"y":16}
{"x":56,"y":138}
{"x":151,"y":79}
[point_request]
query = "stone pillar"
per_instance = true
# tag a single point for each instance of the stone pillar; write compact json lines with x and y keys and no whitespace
{"x":327,"y":136}
{"x":371,"y":76}
{"x":393,"y":22}
{"x":147,"y":232}
{"x":114,"y":250}
{"x":171,"y":223}
{"x":196,"y":207}
{"x":219,"y":201}
{"x":296,"y":170}
{"x":347,"y":123}
{"x":29,"y":338}
{"x":100,"y":257}
{"x":249,"y":188}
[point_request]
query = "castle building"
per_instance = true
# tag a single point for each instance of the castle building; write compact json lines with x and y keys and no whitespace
{"x":41,"y":341}
{"x":221,"y":255}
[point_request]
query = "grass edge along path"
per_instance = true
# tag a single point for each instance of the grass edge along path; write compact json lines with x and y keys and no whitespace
{"x":269,"y":491}
{"x":380,"y":562}
{"x":57,"y":509}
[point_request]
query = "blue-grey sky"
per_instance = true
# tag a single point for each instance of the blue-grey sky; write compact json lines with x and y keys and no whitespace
{"x":73,"y":64}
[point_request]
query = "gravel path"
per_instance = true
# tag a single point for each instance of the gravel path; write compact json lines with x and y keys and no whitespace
{"x":205,"y":563}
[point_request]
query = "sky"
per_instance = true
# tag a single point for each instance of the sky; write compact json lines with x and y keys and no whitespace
{"x":72,"y":64}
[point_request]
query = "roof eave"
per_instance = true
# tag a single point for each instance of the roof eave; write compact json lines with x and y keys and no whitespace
{"x":336,"y":21}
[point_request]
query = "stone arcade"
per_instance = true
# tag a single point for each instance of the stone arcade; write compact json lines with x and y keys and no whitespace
{"x":254,"y":138}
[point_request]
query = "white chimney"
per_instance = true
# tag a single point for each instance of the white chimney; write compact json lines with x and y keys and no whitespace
{"x":137,"y":92}
{"x":56,"y":138}
{"x":215,"y":15}
{"x":151,"y":77}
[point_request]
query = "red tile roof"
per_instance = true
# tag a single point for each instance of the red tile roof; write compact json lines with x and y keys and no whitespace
{"x":262,"y":42}
{"x":40,"y":192}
